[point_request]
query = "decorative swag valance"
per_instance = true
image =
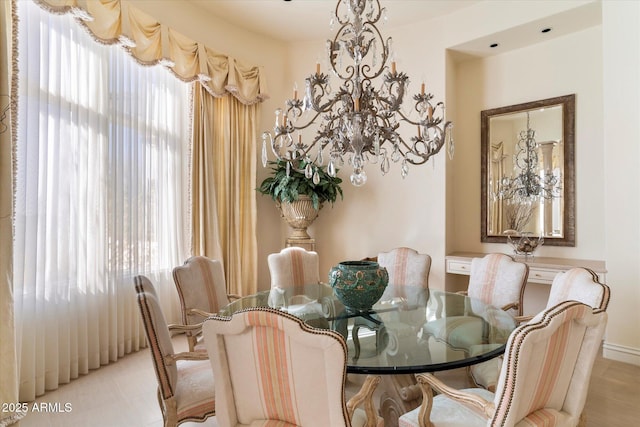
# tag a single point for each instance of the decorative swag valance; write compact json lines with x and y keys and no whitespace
{"x":151,"y":42}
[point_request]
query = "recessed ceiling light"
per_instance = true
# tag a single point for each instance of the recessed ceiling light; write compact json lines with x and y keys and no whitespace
{"x":545,"y":30}
{"x":492,"y":45}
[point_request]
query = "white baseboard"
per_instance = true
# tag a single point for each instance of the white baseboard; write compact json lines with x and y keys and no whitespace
{"x":621,"y":353}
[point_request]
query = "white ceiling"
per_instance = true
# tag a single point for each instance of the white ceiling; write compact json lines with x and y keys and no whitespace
{"x":299,"y":20}
{"x":309,"y":19}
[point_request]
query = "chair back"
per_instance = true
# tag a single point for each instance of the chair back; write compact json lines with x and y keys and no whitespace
{"x":293,"y":267}
{"x":579,"y":284}
{"x":201,"y":285}
{"x":547,"y":367}
{"x":158,"y":337}
{"x":406,"y":267}
{"x":408,"y":273}
{"x":271,"y":366}
{"x":499,"y":280}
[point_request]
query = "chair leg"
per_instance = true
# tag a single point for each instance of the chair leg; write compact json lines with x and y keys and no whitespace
{"x":356,"y":342}
{"x":365,"y":396}
{"x":161,"y":404}
{"x":192,"y":341}
{"x":170,"y":413}
{"x":424,"y":414}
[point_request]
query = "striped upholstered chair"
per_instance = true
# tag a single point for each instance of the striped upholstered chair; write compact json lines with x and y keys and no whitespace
{"x":578,"y":284}
{"x":499,"y":280}
{"x":406,"y":267}
{"x":202,"y":290}
{"x":495,"y":279}
{"x":408,"y":282}
{"x":185,"y":380}
{"x":292,"y":271}
{"x":543,"y":382}
{"x":272,"y":369}
{"x":294,"y":266}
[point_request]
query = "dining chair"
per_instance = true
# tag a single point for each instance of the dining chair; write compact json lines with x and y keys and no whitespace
{"x":202,"y":291}
{"x":577,"y":284}
{"x":408,"y":278}
{"x":408,"y":272}
{"x":499,"y":280}
{"x":495,"y":279}
{"x":185,"y":380}
{"x":271,"y":368}
{"x":543,"y":382}
{"x":291,"y":270}
{"x":407,"y":269}
{"x":293,"y":266}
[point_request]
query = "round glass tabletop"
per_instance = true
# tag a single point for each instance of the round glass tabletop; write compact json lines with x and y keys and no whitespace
{"x":408,"y":330}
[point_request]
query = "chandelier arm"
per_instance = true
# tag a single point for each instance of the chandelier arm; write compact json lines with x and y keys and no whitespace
{"x":433,"y":123}
{"x":304,"y":125}
{"x":294,"y":107}
{"x":384,"y":55}
{"x":429,"y":149}
{"x":314,"y":103}
{"x":385,"y":102}
{"x":328,"y":106}
{"x":337,"y":15}
{"x":380,"y":9}
{"x":349,"y":71}
{"x":316,"y":98}
{"x":295,"y":156}
{"x":396,"y":83}
{"x":418,"y":158}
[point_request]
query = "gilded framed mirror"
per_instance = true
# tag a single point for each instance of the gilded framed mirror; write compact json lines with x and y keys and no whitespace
{"x":528,"y":171}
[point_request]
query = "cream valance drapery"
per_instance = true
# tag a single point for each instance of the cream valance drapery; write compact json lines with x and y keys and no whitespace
{"x":151,"y":42}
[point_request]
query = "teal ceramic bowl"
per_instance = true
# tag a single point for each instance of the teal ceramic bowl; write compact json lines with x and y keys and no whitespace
{"x":358,"y":284}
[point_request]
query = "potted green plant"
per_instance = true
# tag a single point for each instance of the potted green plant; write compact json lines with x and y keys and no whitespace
{"x":283,"y":187}
{"x":298,"y":197}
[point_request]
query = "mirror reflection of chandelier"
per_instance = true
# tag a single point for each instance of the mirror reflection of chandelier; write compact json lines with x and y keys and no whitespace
{"x":359,"y":122}
{"x":532,"y":181}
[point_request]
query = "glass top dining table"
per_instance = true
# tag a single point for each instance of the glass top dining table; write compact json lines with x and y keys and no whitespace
{"x":409,"y":330}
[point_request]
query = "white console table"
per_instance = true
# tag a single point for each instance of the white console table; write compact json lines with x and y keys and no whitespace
{"x":541,"y":270}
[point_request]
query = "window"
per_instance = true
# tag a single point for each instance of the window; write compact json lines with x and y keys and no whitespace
{"x":101,"y":196}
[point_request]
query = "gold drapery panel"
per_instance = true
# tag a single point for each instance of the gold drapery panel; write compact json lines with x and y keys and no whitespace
{"x":151,"y":42}
{"x":223,"y":177}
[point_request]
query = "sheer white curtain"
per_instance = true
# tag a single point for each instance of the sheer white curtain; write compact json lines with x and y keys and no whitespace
{"x":102,"y":167}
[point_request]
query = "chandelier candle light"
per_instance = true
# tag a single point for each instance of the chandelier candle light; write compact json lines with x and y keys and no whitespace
{"x":359,"y":123}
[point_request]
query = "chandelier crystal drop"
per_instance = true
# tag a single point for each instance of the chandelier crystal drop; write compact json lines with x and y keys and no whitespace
{"x":362,"y":121}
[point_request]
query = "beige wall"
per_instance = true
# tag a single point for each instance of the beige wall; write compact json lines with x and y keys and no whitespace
{"x":536,"y":72}
{"x":600,"y":65}
{"x":621,"y":149}
{"x":528,"y":74}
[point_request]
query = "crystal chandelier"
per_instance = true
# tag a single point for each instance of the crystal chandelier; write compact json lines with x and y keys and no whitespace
{"x":360,"y":122}
{"x":531,"y":183}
